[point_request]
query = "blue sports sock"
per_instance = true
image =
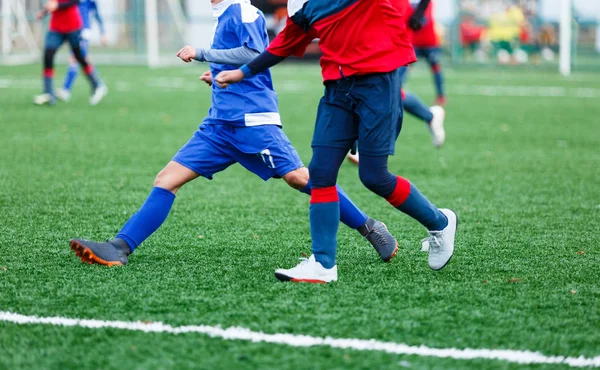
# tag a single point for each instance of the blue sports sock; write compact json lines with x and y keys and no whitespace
{"x":408,"y":199}
{"x":71,"y":76}
{"x":438,"y":79}
{"x":350,"y":214}
{"x":324,"y":215}
{"x":48,"y":85}
{"x":414,"y":105}
{"x":148,"y":219}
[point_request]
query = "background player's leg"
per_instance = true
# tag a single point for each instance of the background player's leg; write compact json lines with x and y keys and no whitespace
{"x":433,"y":59}
{"x":98,"y":87}
{"x":72,"y":73}
{"x":53,"y":42}
{"x":157,"y":206}
{"x":413,"y":105}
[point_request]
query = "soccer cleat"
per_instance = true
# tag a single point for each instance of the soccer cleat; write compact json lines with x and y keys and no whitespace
{"x":63,"y":94}
{"x":436,"y":126}
{"x":44,"y":99}
{"x":380,"y":238}
{"x":352,"y":158}
{"x":98,"y":94}
{"x":110,"y":253}
{"x":441,"y":243}
{"x":308,"y":271}
{"x":440,"y":100}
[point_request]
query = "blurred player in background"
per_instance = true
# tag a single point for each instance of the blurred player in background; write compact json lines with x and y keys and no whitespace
{"x":243,"y":126}
{"x":427,"y":46}
{"x":365,"y":52}
{"x":87,"y":8}
{"x":65,"y":25}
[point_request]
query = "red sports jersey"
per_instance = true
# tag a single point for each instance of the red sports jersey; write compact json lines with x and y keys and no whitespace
{"x":66,"y":20}
{"x":356,"y":37}
{"x":426,"y":37}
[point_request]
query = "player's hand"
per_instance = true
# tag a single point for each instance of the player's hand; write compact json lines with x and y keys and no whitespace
{"x":41,"y":14}
{"x":187,"y":53}
{"x":104,"y":40}
{"x":227,"y":78}
{"x":51,"y":5}
{"x":414,"y":23}
{"x":207,"y":77}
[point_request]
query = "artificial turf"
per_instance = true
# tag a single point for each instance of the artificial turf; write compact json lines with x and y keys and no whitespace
{"x":520,"y":169}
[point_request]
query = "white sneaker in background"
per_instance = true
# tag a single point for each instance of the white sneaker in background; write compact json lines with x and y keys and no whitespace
{"x":98,"y":94}
{"x":63,"y":94}
{"x":436,"y":126}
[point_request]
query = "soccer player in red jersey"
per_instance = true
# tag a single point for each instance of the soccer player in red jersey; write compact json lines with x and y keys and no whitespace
{"x":427,"y":46}
{"x":65,"y":25}
{"x":365,"y":49}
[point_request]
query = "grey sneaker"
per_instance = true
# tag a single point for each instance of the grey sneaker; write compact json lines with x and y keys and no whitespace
{"x":380,"y":238}
{"x":110,"y":253}
{"x":441,"y":243}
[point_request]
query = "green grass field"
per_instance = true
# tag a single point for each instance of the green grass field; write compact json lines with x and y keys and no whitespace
{"x":520,"y":167}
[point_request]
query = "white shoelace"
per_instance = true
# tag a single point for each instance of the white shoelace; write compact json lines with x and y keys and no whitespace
{"x":435,"y":240}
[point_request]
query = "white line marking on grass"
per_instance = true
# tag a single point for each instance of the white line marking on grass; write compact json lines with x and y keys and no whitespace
{"x":238,"y":333}
{"x":525,"y":91}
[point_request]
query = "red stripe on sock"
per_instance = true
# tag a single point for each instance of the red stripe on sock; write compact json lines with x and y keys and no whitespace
{"x":403,"y":94}
{"x":89,"y":69}
{"x":401,"y":192}
{"x":436,"y":68}
{"x":49,"y":72}
{"x":324,"y":195}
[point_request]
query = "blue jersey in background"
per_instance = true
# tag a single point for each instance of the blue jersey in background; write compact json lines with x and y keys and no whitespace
{"x":87,"y":8}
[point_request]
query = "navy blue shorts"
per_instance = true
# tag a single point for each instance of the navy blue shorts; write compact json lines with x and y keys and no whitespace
{"x":432,"y":55}
{"x":263,"y":150}
{"x":365,"y":108}
{"x":55,"y":39}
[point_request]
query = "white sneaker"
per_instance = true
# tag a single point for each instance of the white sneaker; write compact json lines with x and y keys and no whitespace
{"x":352,"y":158}
{"x":441,"y":243}
{"x":63,"y":94}
{"x":436,"y":126}
{"x":308,"y":271}
{"x":44,"y":99}
{"x":99,"y":94}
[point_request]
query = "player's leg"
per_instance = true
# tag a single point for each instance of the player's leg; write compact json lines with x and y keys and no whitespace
{"x":53,"y":41}
{"x":99,"y":89}
{"x":64,"y":93}
{"x":335,"y":133}
{"x":185,"y":167}
{"x":380,"y":113}
{"x":433,"y":59}
{"x":433,"y":117}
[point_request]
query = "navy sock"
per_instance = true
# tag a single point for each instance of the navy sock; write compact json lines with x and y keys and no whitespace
{"x":350,"y":214}
{"x":408,"y":199}
{"x":414,"y":106}
{"x":71,"y":76}
{"x":93,"y":76}
{"x":438,"y":79}
{"x":148,"y":219}
{"x":324,"y":216}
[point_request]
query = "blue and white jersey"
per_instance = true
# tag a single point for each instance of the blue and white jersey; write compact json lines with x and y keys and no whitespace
{"x":253,"y":101}
{"x":87,"y":8}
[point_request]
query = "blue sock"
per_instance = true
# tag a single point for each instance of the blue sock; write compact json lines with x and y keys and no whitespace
{"x":71,"y":76}
{"x":350,"y":214}
{"x":414,"y":105}
{"x":438,"y":79}
{"x":408,"y":199}
{"x":324,"y":215}
{"x":148,"y":219}
{"x":48,"y":85}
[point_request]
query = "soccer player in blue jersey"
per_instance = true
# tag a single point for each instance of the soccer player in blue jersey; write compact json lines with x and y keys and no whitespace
{"x":243,"y":126}
{"x":87,"y":9}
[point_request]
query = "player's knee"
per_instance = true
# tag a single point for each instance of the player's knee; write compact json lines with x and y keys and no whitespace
{"x":49,"y":57}
{"x":297,"y":179}
{"x":167,"y":180}
{"x":380,"y":182}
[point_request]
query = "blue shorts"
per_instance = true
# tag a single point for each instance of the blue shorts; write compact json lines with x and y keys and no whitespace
{"x":432,"y":55}
{"x":263,"y":150}
{"x":55,"y":39}
{"x":365,"y":108}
